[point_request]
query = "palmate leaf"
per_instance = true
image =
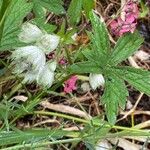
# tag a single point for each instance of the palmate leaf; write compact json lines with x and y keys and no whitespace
{"x":138,"y":78}
{"x":84,"y":67}
{"x":114,"y":97}
{"x":125,"y":47}
{"x":100,"y":49}
{"x":74,"y":11}
{"x":16,"y":12}
{"x":99,"y":38}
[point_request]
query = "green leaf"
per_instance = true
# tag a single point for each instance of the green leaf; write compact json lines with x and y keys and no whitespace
{"x":114,"y":96}
{"x":88,"y":6}
{"x":38,"y":9}
{"x":84,"y":67}
{"x":1,"y":2}
{"x":14,"y":137}
{"x":74,"y":11}
{"x":15,"y":16}
{"x":138,"y":78}
{"x":100,"y":39}
{"x":3,"y":6}
{"x":94,"y":134}
{"x":125,"y":47}
{"x":54,"y":6}
{"x":40,"y":22}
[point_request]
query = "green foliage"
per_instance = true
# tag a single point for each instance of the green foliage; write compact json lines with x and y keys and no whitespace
{"x":114,"y":95}
{"x":88,"y":6}
{"x":138,"y":78}
{"x":125,"y":47}
{"x":75,"y":9}
{"x":39,"y":10}
{"x":84,"y":67}
{"x":9,"y":27}
{"x":1,"y":2}
{"x":40,"y":22}
{"x":94,"y":134}
{"x":101,"y":59}
{"x":20,"y":137}
{"x":54,"y":6}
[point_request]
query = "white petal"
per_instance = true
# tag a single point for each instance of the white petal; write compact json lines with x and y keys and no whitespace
{"x":29,"y":33}
{"x":46,"y":77}
{"x":30,"y":76}
{"x":30,"y":55}
{"x":52,"y":65}
{"x":96,"y":80}
{"x":48,"y":42}
{"x":28,"y":61}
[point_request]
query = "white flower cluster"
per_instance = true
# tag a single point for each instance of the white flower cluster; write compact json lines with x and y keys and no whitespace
{"x":30,"y":61}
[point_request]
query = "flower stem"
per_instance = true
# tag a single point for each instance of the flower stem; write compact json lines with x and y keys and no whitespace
{"x":98,"y":124}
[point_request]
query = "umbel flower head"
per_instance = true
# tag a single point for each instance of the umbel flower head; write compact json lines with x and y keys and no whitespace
{"x":30,"y":61}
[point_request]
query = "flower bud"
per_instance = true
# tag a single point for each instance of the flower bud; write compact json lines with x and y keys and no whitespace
{"x":96,"y":80}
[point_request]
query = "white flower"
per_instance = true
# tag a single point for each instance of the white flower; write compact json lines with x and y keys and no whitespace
{"x":48,"y":42}
{"x":46,"y":75}
{"x":96,"y":80}
{"x":28,"y":61}
{"x":29,"y":33}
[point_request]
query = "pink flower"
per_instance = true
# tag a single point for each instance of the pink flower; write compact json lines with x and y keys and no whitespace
{"x":70,"y":84}
{"x":120,"y":26}
{"x":131,"y":8}
{"x":63,"y":61}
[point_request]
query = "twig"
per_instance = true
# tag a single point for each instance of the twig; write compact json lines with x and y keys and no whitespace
{"x":65,"y":109}
{"x":133,"y":109}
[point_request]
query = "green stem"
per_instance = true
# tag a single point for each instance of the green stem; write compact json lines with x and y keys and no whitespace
{"x":68,"y":56}
{"x":14,"y":90}
{"x":35,"y":145}
{"x":60,"y":115}
{"x":5,"y":79}
{"x":88,"y":121}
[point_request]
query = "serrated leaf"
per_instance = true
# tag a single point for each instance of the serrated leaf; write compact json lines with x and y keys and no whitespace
{"x":84,"y":67}
{"x":88,"y":6}
{"x":4,"y":4}
{"x":114,"y":96}
{"x":40,"y":22}
{"x":54,"y":6}
{"x":74,"y":11}
{"x":125,"y":47}
{"x":100,"y":39}
{"x":15,"y":16}
{"x":95,"y":134}
{"x":138,"y":78}
{"x":38,"y":9}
